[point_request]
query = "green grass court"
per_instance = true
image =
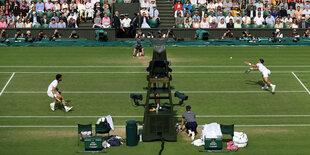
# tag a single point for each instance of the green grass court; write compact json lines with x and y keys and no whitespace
{"x":98,"y":82}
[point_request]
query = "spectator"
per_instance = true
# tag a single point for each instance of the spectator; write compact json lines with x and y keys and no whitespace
{"x":70,"y":16}
{"x":307,"y":4}
{"x":65,"y":6}
{"x":188,"y":5}
{"x":291,"y":11}
{"x":259,"y":4}
{"x":279,"y":24}
{"x":179,"y":20}
{"x":220,"y":17}
{"x":144,"y":21}
{"x":187,"y":23}
{"x":11,"y":24}
{"x":145,"y":4}
{"x":24,"y":7}
{"x":307,"y":33}
{"x":97,"y":10}
{"x":204,"y":23}
{"x":61,"y":24}
{"x":283,"y":4}
{"x":28,"y":37}
{"x":194,"y":3}
{"x":150,"y":35}
{"x":189,"y":18}
{"x":18,"y":34}
{"x":154,"y":14}
{"x":288,"y":20}
{"x":139,"y":34}
{"x":259,"y":20}
{"x":237,"y":24}
{"x":74,"y":35}
{"x":35,"y":20}
{"x":211,"y":7}
{"x":247,"y":34}
{"x":53,"y":24}
{"x":243,"y":6}
{"x":227,"y":6}
{"x":229,"y":17}
{"x":298,"y":13}
{"x":246,"y":20}
{"x":20,"y":23}
{"x":251,"y":13}
{"x":106,"y":22}
{"x":230,"y":24}
{"x":306,"y":12}
{"x":138,"y":50}
{"x":72,"y":23}
{"x":40,"y":6}
{"x":238,"y":17}
{"x":303,"y":24}
{"x":294,"y":24}
{"x":153,"y":3}
{"x":127,"y":1}
{"x":259,"y":10}
{"x":116,"y":23}
{"x":178,"y":5}
{"x":228,"y":34}
{"x":283,"y":12}
{"x":49,"y":6}
{"x":196,"y":16}
{"x":81,"y":10}
{"x":28,"y":24}
{"x":64,"y":18}
{"x":4,"y":37}
{"x":222,"y":24}
{"x":176,"y":13}
{"x":211,"y":17}
{"x":144,"y":10}
{"x":125,"y":24}
{"x":202,"y":3}
{"x":134,"y":24}
{"x":213,"y":24}
{"x":73,"y":6}
{"x":56,"y":7}
{"x":89,"y":13}
{"x":55,"y":17}
{"x":191,"y":124}
{"x":196,"y":23}
{"x":41,"y":35}
{"x":45,"y":20}
{"x":299,"y":3}
{"x":56,"y":35}
{"x":270,"y":20}
{"x":202,"y":12}
{"x":16,"y":10}
{"x":3,"y":23}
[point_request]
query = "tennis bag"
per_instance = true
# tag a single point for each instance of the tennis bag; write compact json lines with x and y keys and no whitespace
{"x":114,"y":141}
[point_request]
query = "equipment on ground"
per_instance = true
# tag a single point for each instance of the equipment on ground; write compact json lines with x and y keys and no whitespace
{"x":93,"y":143}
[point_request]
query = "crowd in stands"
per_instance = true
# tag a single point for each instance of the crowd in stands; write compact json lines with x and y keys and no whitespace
{"x":29,"y":37}
{"x":54,"y":13}
{"x":242,"y":13}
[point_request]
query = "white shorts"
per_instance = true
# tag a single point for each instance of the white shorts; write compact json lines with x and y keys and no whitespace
{"x":50,"y":94}
{"x":266,"y":73}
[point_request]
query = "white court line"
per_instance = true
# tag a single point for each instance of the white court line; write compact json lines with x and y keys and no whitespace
{"x":301,"y":83}
{"x":179,"y":116}
{"x":122,"y":126}
{"x":7,"y":83}
{"x":293,"y":66}
{"x":208,"y":72}
{"x":144,"y":92}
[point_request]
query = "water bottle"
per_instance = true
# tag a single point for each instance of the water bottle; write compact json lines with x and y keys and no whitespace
{"x":177,"y":127}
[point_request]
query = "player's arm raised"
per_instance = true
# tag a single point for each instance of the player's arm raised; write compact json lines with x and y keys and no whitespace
{"x":248,"y":63}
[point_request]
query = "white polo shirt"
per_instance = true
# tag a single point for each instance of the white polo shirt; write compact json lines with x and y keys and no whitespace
{"x":259,"y":21}
{"x":126,"y":22}
{"x":54,"y":84}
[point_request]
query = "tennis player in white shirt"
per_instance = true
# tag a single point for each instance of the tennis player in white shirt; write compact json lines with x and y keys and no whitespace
{"x":265,"y":73}
{"x":54,"y":93}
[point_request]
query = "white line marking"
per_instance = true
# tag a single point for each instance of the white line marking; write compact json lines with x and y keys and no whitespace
{"x":198,"y":116}
{"x":122,"y":126}
{"x":7,"y":83}
{"x":144,"y":92}
{"x":208,"y":72}
{"x":301,"y":83}
{"x":293,"y":66}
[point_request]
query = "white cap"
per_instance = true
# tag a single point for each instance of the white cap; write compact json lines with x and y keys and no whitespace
{"x":277,"y":30}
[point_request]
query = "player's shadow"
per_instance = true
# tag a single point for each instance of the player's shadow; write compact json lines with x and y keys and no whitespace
{"x":250,"y":82}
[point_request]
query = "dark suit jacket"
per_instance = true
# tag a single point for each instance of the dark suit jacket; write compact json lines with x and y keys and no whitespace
{"x":38,"y":19}
{"x":249,"y":13}
{"x":306,"y":23}
{"x":116,"y":22}
{"x":135,"y":22}
{"x":141,"y":20}
{"x":283,"y":13}
{"x":47,"y":21}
